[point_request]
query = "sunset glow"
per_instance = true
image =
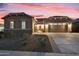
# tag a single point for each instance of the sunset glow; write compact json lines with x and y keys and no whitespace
{"x":41,"y":9}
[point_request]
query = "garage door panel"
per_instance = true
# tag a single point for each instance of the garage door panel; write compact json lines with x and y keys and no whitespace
{"x":57,"y":28}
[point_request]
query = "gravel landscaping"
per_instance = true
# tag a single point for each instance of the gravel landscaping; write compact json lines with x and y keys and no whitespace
{"x":38,"y":43}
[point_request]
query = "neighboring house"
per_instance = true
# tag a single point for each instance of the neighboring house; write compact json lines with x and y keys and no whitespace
{"x":75,"y":25}
{"x":17,"y":24}
{"x":53,"y":24}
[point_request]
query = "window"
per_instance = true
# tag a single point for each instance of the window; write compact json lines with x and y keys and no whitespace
{"x":12,"y":24}
{"x":23,"y":24}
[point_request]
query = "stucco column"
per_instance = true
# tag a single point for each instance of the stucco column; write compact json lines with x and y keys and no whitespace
{"x":33,"y":25}
{"x":69,"y":27}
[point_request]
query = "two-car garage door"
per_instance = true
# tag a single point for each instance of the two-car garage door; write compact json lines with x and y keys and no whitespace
{"x":58,"y":27}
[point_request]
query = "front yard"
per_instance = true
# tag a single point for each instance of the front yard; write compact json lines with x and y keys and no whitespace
{"x":38,"y":43}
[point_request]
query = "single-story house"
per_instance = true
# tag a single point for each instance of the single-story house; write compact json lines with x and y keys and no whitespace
{"x":21,"y":24}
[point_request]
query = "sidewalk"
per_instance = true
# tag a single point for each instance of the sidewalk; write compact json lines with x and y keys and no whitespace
{"x":26,"y":53}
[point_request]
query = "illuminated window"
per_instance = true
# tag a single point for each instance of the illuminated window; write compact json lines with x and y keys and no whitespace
{"x":42,"y":26}
{"x":23,"y":24}
{"x":11,"y":24}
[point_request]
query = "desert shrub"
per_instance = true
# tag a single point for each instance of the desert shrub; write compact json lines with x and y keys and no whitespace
{"x":42,"y":42}
{"x":24,"y":44}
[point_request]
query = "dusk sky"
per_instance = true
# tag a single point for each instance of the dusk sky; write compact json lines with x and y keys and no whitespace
{"x":41,"y":9}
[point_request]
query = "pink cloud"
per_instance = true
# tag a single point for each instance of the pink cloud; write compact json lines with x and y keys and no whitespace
{"x":44,"y":9}
{"x":28,"y":4}
{"x":57,"y":7}
{"x":1,"y":20}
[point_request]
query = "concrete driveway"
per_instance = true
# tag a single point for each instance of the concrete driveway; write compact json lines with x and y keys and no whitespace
{"x":67,"y":43}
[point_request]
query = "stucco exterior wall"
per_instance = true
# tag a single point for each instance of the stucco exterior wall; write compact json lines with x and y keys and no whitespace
{"x":17,"y":31}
